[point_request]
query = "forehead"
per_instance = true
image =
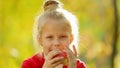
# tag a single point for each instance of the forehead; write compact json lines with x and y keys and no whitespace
{"x":56,"y":26}
{"x":57,"y":23}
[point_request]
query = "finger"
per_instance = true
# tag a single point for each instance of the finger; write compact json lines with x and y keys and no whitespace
{"x":70,"y":54}
{"x":68,"y":50}
{"x":71,"y":58}
{"x":56,"y":59}
{"x":57,"y":63}
{"x":74,"y":50}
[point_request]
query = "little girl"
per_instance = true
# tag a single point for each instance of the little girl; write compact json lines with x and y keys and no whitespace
{"x":57,"y":33}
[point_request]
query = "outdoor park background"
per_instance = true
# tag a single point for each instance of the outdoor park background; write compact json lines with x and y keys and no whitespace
{"x":96,"y":23}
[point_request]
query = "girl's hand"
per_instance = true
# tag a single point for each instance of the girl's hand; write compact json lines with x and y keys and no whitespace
{"x":51,"y":62}
{"x":71,"y":57}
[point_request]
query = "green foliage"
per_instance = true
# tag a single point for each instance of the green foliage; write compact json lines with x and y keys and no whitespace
{"x":96,"y":21}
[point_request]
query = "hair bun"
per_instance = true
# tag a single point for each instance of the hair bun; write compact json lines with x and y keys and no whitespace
{"x":51,"y":5}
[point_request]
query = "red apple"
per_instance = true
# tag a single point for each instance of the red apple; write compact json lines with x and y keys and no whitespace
{"x":62,"y":54}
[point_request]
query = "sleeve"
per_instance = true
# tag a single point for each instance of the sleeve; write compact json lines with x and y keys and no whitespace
{"x":81,"y":64}
{"x":26,"y":64}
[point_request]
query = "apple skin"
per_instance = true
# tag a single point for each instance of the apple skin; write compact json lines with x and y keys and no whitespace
{"x":63,"y":54}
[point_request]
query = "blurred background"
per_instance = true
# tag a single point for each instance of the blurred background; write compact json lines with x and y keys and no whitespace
{"x":99,"y":23}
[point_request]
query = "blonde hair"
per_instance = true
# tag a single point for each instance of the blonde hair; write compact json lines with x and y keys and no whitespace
{"x":54,"y":10}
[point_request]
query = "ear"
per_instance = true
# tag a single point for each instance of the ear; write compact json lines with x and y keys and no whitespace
{"x":71,"y":38}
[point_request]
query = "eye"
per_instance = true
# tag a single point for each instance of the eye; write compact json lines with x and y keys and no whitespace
{"x":63,"y":36}
{"x":49,"y":37}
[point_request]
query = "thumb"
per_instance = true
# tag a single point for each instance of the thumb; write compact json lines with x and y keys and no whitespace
{"x":74,"y":50}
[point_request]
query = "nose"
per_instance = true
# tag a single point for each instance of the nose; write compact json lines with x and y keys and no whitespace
{"x":56,"y":43}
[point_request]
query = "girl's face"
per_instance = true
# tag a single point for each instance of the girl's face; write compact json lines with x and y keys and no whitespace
{"x":55,"y":35}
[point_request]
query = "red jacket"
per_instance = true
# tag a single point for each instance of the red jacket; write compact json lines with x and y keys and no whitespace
{"x":37,"y":61}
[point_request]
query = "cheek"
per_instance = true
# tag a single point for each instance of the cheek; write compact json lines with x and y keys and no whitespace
{"x":66,"y":43}
{"x":46,"y":47}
